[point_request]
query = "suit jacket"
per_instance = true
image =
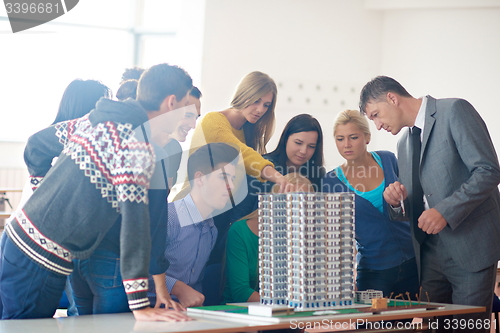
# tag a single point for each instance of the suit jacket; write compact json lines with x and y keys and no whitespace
{"x":459,"y":173}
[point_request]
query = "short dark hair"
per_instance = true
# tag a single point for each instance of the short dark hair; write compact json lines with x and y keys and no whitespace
{"x":161,"y":81}
{"x":377,"y":88}
{"x":133,"y":73}
{"x":208,"y":157}
{"x":128,"y":89}
{"x":79,"y":98}
{"x":195,"y":92}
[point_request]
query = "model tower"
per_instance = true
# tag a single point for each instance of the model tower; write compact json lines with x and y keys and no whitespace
{"x":306,"y":249}
{"x":273,"y":249}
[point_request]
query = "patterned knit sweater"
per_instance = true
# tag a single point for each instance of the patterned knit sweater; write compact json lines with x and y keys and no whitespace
{"x":103,"y":171}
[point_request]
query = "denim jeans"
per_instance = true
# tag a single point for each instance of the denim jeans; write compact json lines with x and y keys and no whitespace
{"x":2,"y":241}
{"x":396,"y":280}
{"x":67,"y":300}
{"x":28,"y":290}
{"x":97,"y":284}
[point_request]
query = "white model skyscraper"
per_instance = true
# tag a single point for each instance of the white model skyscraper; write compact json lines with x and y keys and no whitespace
{"x":306,"y":249}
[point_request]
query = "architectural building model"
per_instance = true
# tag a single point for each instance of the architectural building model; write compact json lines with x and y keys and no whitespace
{"x":306,"y":249}
{"x":366,"y":296}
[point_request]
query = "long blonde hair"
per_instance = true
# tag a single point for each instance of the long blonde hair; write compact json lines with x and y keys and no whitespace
{"x":252,"y":87}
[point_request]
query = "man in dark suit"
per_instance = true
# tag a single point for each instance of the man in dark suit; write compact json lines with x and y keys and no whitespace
{"x":449,"y":176}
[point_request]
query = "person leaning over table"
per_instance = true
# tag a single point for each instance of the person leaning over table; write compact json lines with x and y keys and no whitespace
{"x":173,"y":147}
{"x":248,"y":124}
{"x":128,"y":89}
{"x":450,"y":188}
{"x":110,"y":165}
{"x":191,"y":233}
{"x":385,"y":258}
{"x":78,"y":99}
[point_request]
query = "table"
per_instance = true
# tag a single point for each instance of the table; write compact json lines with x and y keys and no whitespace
{"x":10,"y":189}
{"x":4,"y":215}
{"x":125,"y":322}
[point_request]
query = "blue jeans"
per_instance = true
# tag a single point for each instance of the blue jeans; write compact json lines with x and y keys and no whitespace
{"x":396,"y":280}
{"x":97,"y":284}
{"x":67,"y":301}
{"x":28,"y":290}
{"x":2,"y":241}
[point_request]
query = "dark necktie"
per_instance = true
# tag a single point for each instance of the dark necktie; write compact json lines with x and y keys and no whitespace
{"x":417,"y":202}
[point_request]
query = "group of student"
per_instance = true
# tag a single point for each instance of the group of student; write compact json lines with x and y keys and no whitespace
{"x":100,"y":214}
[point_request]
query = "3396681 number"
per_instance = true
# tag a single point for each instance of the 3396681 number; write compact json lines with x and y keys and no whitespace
{"x":32,"y":8}
{"x":464,"y":324}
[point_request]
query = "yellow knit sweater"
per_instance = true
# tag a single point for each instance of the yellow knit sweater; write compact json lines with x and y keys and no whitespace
{"x":214,"y":127}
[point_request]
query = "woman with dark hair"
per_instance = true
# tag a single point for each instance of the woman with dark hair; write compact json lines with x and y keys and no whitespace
{"x":133,"y":73}
{"x":79,"y":98}
{"x":127,"y":89}
{"x":300,"y":149}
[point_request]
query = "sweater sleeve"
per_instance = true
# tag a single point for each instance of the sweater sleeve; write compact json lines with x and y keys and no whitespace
{"x":40,"y":150}
{"x":44,"y":145}
{"x":237,"y":267}
{"x":216,"y":128}
{"x":134,"y":165}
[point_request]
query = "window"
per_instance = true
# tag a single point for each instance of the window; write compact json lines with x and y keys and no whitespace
{"x":95,"y":40}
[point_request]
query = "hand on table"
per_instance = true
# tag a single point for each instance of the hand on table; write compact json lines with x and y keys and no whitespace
{"x":157,"y":314}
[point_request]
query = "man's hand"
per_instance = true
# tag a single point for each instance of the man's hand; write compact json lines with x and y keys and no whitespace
{"x":187,"y":295}
{"x":431,"y":221}
{"x":395,"y":193}
{"x":169,"y":302}
{"x":154,"y":314}
{"x":162,"y":294}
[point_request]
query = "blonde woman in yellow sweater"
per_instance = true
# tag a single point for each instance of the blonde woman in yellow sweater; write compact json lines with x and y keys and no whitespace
{"x":247,"y":124}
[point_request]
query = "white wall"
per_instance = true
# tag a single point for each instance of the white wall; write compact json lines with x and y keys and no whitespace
{"x":445,"y":49}
{"x":447,"y":53}
{"x":308,"y":43}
